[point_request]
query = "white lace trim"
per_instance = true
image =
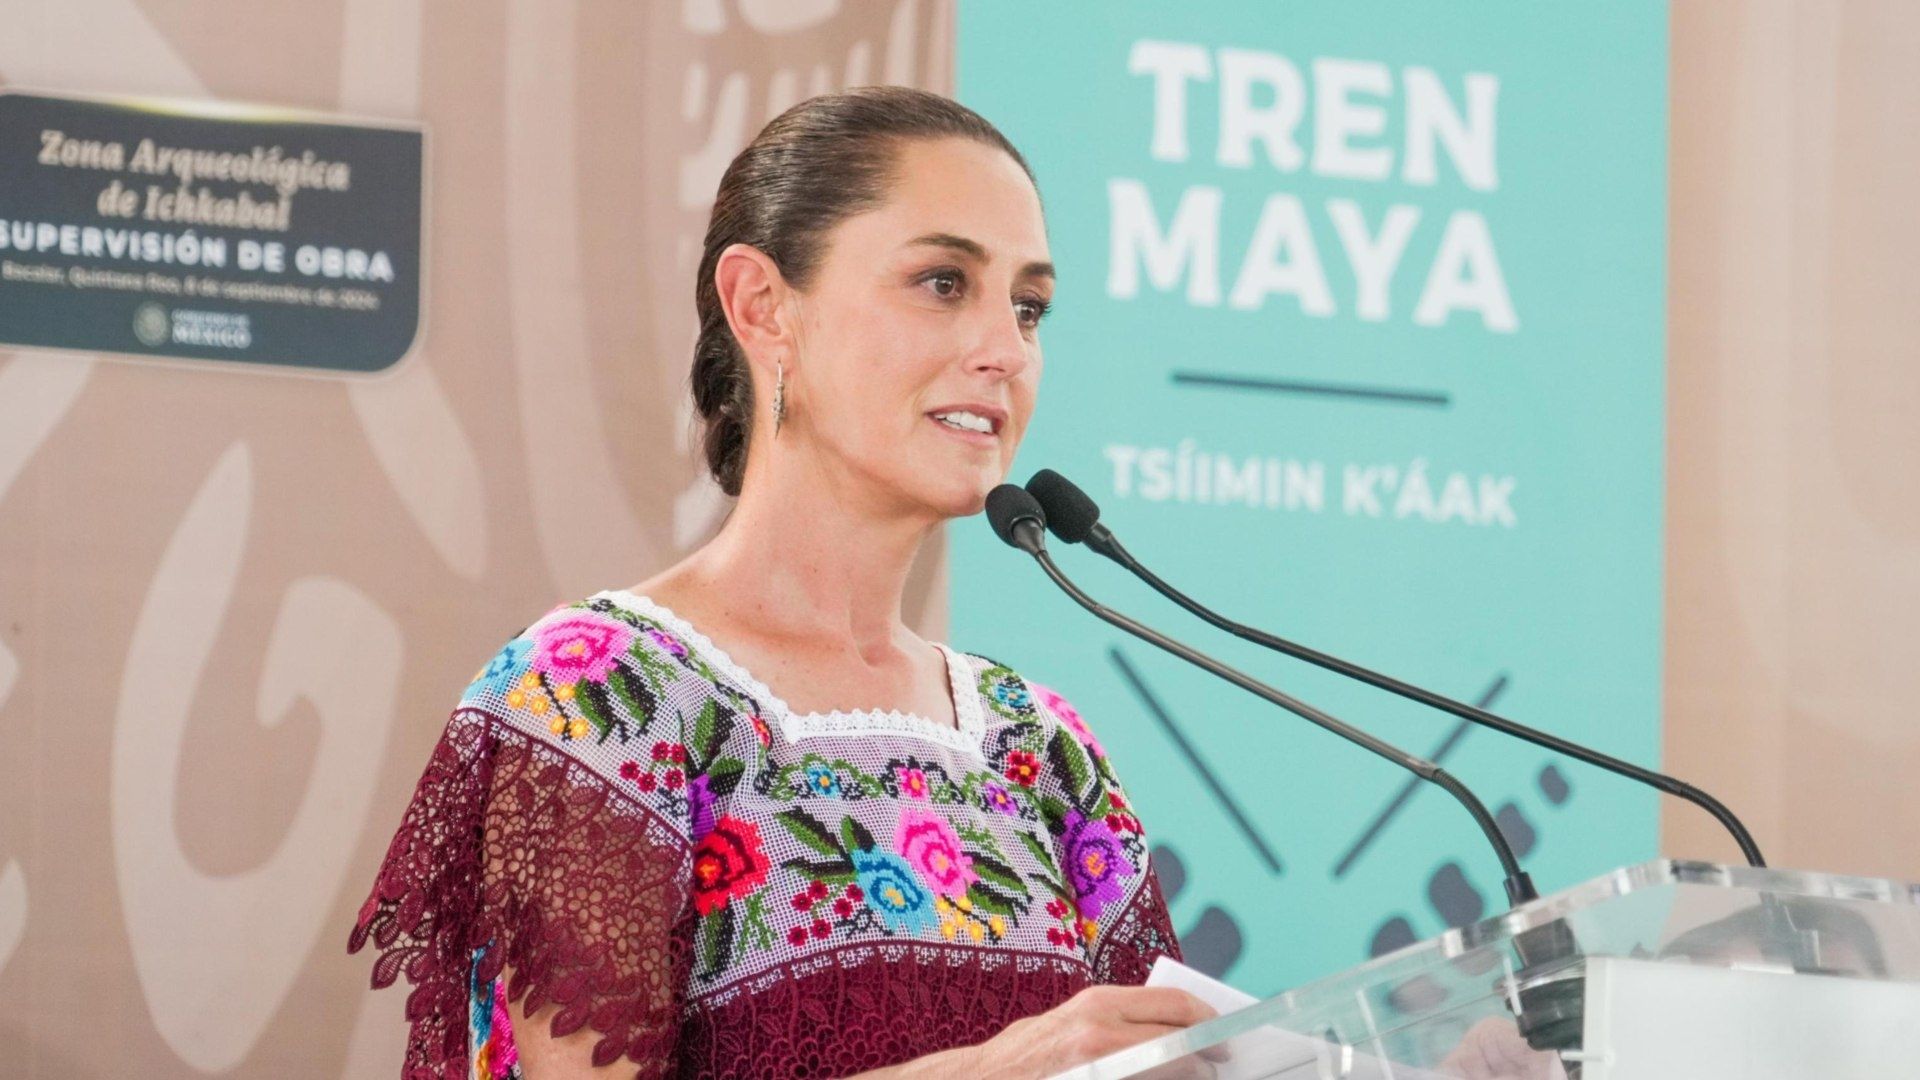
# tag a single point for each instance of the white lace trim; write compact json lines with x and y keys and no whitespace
{"x":840,"y":723}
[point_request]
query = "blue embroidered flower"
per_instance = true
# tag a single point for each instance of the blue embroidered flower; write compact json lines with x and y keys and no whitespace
{"x":501,"y":672}
{"x":822,"y":781}
{"x":893,"y":891}
{"x":1012,"y":695}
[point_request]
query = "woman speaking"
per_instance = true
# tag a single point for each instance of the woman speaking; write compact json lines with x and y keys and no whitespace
{"x":738,"y":819}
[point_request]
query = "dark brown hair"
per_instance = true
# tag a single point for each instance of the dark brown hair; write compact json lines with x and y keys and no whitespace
{"x":815,"y":165}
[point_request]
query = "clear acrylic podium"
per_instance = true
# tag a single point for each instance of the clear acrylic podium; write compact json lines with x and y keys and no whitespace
{"x":1682,"y":970}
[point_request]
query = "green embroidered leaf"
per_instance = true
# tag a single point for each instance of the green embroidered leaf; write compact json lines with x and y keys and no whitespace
{"x":719,"y":941}
{"x":1054,"y":813}
{"x":591,"y":699}
{"x":632,"y":692}
{"x":756,"y":922}
{"x":999,"y":873}
{"x":991,"y":900}
{"x":1042,"y":854}
{"x":658,"y":669}
{"x":703,"y":727}
{"x":810,"y":831}
{"x":855,"y":834}
{"x":722,"y":728}
{"x":725,"y":775}
{"x":838,"y":872}
{"x":1069,"y":759}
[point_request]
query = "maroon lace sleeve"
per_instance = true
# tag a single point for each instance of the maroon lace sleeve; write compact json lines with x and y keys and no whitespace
{"x":512,"y":844}
{"x":1143,"y":932}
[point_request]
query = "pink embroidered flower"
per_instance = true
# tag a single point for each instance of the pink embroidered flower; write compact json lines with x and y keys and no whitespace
{"x":913,"y":782}
{"x":929,"y":845}
{"x":761,"y":731}
{"x":582,"y":646}
{"x":1069,"y":716}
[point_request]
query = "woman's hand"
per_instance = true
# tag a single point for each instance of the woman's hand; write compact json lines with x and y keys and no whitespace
{"x":1093,"y":1023}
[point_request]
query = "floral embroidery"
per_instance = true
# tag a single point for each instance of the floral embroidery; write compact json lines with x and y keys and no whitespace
{"x":912,"y":782}
{"x":822,"y":781}
{"x":501,"y":672}
{"x":583,"y":646}
{"x":1069,"y":716}
{"x":995,"y":797}
{"x":728,"y":863}
{"x":1094,"y":863}
{"x":1023,"y":768}
{"x":1023,"y":841}
{"x":891,"y":889}
{"x":1006,"y":693}
{"x":929,"y":844}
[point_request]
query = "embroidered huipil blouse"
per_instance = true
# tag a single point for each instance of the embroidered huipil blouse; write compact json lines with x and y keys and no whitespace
{"x":717,"y":886}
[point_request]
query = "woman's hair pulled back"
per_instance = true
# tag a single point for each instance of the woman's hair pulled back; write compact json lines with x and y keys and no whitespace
{"x":822,"y":161}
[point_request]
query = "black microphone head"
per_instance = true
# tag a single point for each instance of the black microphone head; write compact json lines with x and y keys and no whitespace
{"x":1071,"y":513}
{"x":1007,"y":506}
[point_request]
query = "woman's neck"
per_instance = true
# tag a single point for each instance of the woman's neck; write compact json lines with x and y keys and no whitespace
{"x":792,"y":571}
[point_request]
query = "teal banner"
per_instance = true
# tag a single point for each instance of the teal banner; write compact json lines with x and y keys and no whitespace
{"x":1359,"y":338}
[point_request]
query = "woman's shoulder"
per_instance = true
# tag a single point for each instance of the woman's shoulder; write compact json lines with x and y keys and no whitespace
{"x":594,"y":667}
{"x":1019,"y":695}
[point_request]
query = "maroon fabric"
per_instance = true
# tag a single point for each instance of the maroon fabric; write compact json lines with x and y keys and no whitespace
{"x":510,"y":841}
{"x":584,"y":892}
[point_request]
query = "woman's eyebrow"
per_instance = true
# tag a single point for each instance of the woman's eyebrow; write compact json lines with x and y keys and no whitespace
{"x":974,"y":250}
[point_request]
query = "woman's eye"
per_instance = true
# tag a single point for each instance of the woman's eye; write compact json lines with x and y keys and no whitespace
{"x":1038,"y":310}
{"x":946,"y":275}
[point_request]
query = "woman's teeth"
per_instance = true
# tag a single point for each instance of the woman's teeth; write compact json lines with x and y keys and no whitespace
{"x":967,"y":421}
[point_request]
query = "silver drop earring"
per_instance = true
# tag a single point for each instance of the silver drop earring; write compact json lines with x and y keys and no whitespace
{"x":779,"y":398}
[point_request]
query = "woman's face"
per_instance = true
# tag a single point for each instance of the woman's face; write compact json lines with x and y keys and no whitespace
{"x":927,"y":305}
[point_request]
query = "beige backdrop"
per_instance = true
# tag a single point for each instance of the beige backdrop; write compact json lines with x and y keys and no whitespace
{"x":235,"y":606}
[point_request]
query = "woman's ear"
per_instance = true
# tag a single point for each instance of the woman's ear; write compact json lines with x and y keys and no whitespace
{"x":756,"y":298}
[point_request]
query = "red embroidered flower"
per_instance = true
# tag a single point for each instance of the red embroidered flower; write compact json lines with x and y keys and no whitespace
{"x":660,"y":751}
{"x":762,"y":731}
{"x":1022,"y":768}
{"x":797,"y":936}
{"x":630,"y":770}
{"x":647,"y":782}
{"x":728,"y":863}
{"x":674,"y":779}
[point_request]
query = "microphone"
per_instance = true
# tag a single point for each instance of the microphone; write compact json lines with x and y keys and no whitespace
{"x":1017,"y":518}
{"x":1074,"y":517}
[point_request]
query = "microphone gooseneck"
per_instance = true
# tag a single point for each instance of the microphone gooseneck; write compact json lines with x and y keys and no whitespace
{"x":1018,"y":519}
{"x":1074,"y":517}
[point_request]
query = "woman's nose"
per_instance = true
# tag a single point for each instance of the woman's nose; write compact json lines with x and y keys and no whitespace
{"x":1003,"y":346}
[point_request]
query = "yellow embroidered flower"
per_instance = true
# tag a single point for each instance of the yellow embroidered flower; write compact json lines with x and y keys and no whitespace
{"x":963,"y":902}
{"x":977,"y":931}
{"x":578,"y":729}
{"x":538,"y":705}
{"x":516,"y":698}
{"x":998,"y":925}
{"x":558,"y":725}
{"x":564,"y":693}
{"x":947,"y":928}
{"x":1088,"y":928}
{"x":530,"y":681}
{"x":940,"y":904}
